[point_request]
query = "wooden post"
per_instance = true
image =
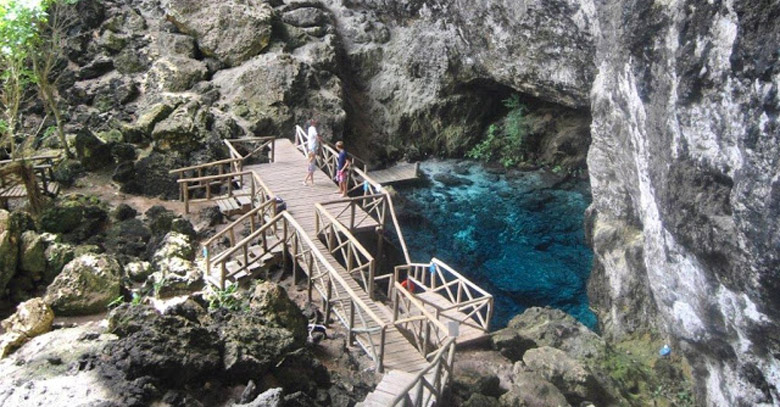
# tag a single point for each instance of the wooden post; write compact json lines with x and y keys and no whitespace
{"x":459,"y":295}
{"x":427,"y":337}
{"x":352,"y":206}
{"x":371,"y":272}
{"x":222,"y":273}
{"x":351,"y":339}
{"x":284,"y":242}
{"x":295,"y":262}
{"x":186,"y":193}
{"x":380,"y":366}
{"x":311,"y":273}
{"x":329,"y":292}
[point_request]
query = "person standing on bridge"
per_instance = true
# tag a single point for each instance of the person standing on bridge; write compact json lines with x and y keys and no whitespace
{"x":312,"y":137}
{"x":342,"y":168}
{"x":311,"y":159}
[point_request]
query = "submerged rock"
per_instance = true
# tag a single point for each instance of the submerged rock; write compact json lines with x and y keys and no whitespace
{"x":31,"y":319}
{"x":85,"y":286}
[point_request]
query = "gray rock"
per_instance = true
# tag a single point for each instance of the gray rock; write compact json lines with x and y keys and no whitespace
{"x":530,"y":390}
{"x":138,"y":271}
{"x":32,"y":259}
{"x":32,"y":318}
{"x":480,"y":400}
{"x":549,"y":327}
{"x":272,"y":301}
{"x":93,"y":152}
{"x":268,"y":398}
{"x":57,"y":255}
{"x":230,"y":31}
{"x":571,"y":377}
{"x":11,"y":228}
{"x":85,"y":286}
{"x":175,"y":73}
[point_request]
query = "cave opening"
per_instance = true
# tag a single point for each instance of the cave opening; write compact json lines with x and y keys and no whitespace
{"x":516,"y":231}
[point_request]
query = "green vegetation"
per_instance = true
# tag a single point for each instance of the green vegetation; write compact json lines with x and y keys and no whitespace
{"x":228,"y":298}
{"x":646,"y":378}
{"x":505,"y":143}
{"x":31,"y":37}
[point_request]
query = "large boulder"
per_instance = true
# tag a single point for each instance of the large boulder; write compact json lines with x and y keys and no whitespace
{"x":31,"y":318}
{"x":9,"y":249}
{"x":173,"y":348}
{"x":530,"y":390}
{"x":231,"y":31}
{"x":57,"y":255}
{"x":570,"y":376}
{"x":272,"y":302}
{"x":174,"y":254}
{"x":548,"y":327}
{"x":252,"y":346}
{"x":32,"y":259}
{"x":85,"y":286}
{"x":184,"y":130}
{"x":93,"y":152}
{"x":176,"y":73}
{"x":128,"y":237}
{"x":77,"y":217}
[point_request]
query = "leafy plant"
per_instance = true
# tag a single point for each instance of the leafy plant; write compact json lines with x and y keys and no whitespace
{"x":506,"y":143}
{"x":228,"y":298}
{"x":119,"y":300}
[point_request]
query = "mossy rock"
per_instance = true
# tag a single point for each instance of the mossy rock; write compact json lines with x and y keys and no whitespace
{"x":85,"y":286}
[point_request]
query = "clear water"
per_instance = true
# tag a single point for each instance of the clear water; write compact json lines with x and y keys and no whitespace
{"x":522,"y":238}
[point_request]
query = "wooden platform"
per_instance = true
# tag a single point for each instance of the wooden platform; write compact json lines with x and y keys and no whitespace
{"x":467,"y":333}
{"x":283,"y":178}
{"x":398,"y":173}
{"x":19,"y":191}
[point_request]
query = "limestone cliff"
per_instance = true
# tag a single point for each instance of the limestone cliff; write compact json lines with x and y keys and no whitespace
{"x":684,"y":168}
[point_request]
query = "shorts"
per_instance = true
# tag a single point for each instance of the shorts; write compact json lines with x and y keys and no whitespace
{"x":341,"y":176}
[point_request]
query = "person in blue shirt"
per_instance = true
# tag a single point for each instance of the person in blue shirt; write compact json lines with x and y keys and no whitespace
{"x":342,"y":168}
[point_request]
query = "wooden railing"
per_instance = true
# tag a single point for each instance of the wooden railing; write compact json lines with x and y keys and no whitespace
{"x":474,"y":304}
{"x":43,"y":166}
{"x":433,"y":378}
{"x":229,"y":185}
{"x":374,"y":208}
{"x":344,"y":246}
{"x":363,"y":185}
{"x":251,"y":221}
{"x":358,"y":183}
{"x":201,"y":171}
{"x":432,"y":339}
{"x":258,"y":145}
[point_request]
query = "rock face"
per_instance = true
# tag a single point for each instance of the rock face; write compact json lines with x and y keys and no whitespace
{"x":684,"y":166}
{"x":86,"y":285}
{"x":232,"y":31}
{"x":425,"y":76}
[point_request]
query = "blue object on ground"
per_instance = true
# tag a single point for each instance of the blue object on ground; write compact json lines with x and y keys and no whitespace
{"x":665,"y":350}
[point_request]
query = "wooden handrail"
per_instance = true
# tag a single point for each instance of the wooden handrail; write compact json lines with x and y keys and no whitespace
{"x":334,"y":274}
{"x":449,"y":347}
{"x":343,"y":230}
{"x":214,"y":177}
{"x":264,"y":206}
{"x":460,"y":277}
{"x":205,"y":165}
{"x":420,"y":306}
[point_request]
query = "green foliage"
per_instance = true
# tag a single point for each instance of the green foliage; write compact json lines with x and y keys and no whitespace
{"x":119,"y":300}
{"x":22,"y":23}
{"x":228,"y":298}
{"x":506,"y":144}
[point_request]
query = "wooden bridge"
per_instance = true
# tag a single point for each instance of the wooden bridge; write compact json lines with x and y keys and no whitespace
{"x":410,"y":334}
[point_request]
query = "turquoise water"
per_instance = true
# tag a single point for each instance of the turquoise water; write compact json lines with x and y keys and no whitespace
{"x":520,"y":236}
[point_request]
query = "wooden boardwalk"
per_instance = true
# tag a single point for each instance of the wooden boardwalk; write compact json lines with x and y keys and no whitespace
{"x":416,"y":332}
{"x":398,"y":173}
{"x":284,"y":177}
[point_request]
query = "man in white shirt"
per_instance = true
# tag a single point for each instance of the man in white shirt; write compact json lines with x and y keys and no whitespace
{"x":313,"y":142}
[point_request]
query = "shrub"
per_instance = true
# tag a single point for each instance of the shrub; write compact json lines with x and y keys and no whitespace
{"x":505,"y":144}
